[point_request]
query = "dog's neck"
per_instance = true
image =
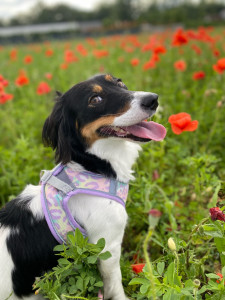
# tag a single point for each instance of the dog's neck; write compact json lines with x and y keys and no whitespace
{"x":121,"y":155}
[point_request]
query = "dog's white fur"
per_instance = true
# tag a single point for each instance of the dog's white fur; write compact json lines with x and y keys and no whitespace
{"x":100,"y":218}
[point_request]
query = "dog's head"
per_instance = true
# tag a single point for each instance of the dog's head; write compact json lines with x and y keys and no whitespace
{"x":100,"y":108}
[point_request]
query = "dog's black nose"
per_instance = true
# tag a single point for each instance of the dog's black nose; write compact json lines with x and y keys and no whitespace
{"x":150,"y":101}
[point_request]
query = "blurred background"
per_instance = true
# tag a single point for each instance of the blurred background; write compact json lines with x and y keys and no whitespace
{"x":35,"y":20}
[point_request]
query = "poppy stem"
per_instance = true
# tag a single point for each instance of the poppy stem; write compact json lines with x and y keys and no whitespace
{"x":148,"y":263}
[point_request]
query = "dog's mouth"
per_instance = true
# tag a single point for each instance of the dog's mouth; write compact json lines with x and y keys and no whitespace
{"x":140,"y":132}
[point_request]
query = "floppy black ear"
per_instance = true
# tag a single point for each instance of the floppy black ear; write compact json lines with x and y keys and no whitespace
{"x":56,"y":131}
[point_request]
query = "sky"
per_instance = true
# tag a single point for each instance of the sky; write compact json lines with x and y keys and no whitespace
{"x":10,"y":8}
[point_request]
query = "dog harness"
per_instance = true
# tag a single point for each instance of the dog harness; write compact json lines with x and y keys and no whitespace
{"x":61,"y":183}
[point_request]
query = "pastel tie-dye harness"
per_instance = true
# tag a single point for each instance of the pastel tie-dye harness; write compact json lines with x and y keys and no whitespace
{"x":60,"y":184}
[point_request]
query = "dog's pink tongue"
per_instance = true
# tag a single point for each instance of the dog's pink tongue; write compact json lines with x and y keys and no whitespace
{"x":148,"y":130}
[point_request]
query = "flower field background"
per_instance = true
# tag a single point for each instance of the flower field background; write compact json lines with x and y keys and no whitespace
{"x":181,"y":177}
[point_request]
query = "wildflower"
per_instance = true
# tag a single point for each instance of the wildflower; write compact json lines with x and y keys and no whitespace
{"x":149,"y":65}
{"x":159,"y":50}
{"x":22,"y":79}
{"x":180,"y":65}
{"x":13,"y":54}
{"x":28,"y":59}
{"x":154,"y":216}
{"x":137,"y":268}
{"x":134,"y":62}
{"x":198,"y":75}
{"x":5,"y":97}
{"x":219,"y":67}
{"x":220,"y":279}
{"x":197,"y":283}
{"x":155,"y":175}
{"x":48,"y":76}
{"x":217,"y":214}
{"x":49,"y":52}
{"x":100,"y":53}
{"x":180,"y":38}
{"x":43,"y":88}
{"x":64,"y":66}
{"x":182,"y":122}
{"x":69,"y":56}
{"x":171,"y":244}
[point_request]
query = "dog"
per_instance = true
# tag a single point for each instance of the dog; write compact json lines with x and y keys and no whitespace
{"x":97,"y":126}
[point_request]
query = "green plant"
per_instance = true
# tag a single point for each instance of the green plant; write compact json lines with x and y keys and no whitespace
{"x":76,"y":275}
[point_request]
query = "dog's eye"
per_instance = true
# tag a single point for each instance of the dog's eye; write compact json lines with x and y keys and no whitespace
{"x":121,"y":84}
{"x":95,"y":100}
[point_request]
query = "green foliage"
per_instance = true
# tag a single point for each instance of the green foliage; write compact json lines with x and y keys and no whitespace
{"x":76,"y":275}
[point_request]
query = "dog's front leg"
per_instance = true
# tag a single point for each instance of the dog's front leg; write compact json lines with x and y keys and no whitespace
{"x":111,"y":273}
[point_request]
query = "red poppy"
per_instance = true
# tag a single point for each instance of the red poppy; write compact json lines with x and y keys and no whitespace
{"x":64,"y":66}
{"x":220,"y":279}
{"x":217,"y":214}
{"x":22,"y":79}
{"x":69,"y":56}
{"x":220,"y":65}
{"x":13,"y":54}
{"x":180,"y":65}
{"x":155,"y":213}
{"x":28,"y":59}
{"x":48,"y":76}
{"x":100,"y":53}
{"x":149,"y":65}
{"x":5,"y":97}
{"x":137,"y":268}
{"x":182,"y":122}
{"x":198,"y":75}
{"x":216,"y":52}
{"x":49,"y":52}
{"x":134,"y":62}
{"x":43,"y":88}
{"x":159,"y":50}
{"x":180,"y":38}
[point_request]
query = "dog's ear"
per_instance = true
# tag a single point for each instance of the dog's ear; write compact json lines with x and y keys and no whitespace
{"x":56,"y":131}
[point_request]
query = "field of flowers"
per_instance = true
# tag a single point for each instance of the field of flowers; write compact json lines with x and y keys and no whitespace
{"x":174,"y":245}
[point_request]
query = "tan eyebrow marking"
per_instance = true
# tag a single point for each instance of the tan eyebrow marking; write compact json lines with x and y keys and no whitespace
{"x":97,"y":88}
{"x":108,"y":77}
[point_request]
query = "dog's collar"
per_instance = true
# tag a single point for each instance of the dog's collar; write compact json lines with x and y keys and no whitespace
{"x":61,"y":183}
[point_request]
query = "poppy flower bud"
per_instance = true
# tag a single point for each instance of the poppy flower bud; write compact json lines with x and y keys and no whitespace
{"x":196,"y":283}
{"x":154,"y":215}
{"x":171,"y":244}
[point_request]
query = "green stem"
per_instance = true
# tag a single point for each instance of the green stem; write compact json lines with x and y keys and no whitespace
{"x":189,"y":239}
{"x":148,"y":262}
{"x":177,"y":259}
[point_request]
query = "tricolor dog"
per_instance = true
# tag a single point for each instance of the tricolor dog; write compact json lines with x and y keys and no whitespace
{"x":96,"y":129}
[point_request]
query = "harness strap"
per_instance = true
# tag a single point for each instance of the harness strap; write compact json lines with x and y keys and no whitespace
{"x":49,"y":178}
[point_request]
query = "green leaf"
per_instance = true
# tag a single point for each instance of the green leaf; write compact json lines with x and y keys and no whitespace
{"x":63,"y":261}
{"x":72,"y":289}
{"x":144,"y":289}
{"x":170,"y":273}
{"x":212,"y":275}
{"x":160,"y":267}
{"x":101,"y":243}
{"x":92,"y":259}
{"x":105,"y":255}
{"x":99,"y":284}
{"x":135,"y":281}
